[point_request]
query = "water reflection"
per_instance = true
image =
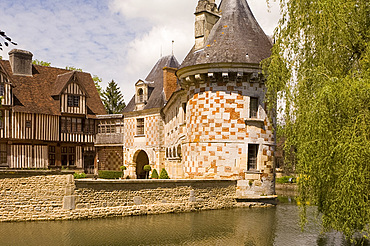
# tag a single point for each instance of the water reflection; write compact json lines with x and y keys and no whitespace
{"x":250,"y":227}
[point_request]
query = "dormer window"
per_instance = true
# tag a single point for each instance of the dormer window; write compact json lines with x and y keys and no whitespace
{"x":73,"y":101}
{"x":140,"y":95}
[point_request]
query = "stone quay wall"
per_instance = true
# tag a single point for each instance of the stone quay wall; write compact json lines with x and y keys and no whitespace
{"x":31,"y":198}
{"x":60,"y":197}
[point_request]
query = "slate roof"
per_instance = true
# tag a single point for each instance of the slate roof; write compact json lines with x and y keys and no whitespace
{"x":235,"y":35}
{"x":34,"y":94}
{"x":156,"y":95}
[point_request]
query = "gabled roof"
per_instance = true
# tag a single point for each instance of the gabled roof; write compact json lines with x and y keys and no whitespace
{"x":235,"y":38}
{"x":156,"y":95}
{"x":33,"y":94}
{"x":63,"y":80}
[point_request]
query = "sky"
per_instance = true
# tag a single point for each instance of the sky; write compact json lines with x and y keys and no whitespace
{"x":113,"y":39}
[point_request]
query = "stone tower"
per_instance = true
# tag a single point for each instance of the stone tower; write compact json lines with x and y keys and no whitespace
{"x":229,"y":131}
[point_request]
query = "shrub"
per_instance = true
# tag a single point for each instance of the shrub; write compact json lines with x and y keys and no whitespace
{"x":123,"y":168}
{"x":164,"y":174}
{"x":154,"y":174}
{"x":109,"y":174}
{"x":147,"y":168}
{"x":286,"y":179}
{"x":79,"y":175}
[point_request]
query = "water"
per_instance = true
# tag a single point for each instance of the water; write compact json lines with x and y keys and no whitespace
{"x":248,"y":227}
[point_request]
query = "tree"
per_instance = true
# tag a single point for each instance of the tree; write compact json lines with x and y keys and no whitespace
{"x":98,"y":80}
{"x":320,"y":65}
{"x":41,"y":63}
{"x":154,"y":174}
{"x":113,"y":99}
{"x":163,"y":174}
{"x":5,"y":39}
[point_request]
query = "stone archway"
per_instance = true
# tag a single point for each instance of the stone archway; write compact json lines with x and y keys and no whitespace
{"x":141,"y":159}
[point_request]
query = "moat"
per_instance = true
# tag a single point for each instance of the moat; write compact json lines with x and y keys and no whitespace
{"x":257,"y":226}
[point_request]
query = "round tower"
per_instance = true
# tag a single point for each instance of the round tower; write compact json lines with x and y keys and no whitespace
{"x":229,"y":131}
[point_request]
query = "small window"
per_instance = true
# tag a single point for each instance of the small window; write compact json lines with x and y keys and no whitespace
{"x":140,"y":95}
{"x":1,"y":120}
{"x":73,"y":101}
{"x":252,"y":156}
{"x":28,"y":124}
{"x":253,"y":107}
{"x":2,"y":90}
{"x":51,"y":155}
{"x":140,"y":127}
{"x":3,"y":154}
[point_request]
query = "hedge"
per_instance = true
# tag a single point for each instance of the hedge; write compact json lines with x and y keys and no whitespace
{"x":109,"y":174}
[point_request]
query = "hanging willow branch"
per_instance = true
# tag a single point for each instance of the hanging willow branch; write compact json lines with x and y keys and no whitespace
{"x":5,"y":40}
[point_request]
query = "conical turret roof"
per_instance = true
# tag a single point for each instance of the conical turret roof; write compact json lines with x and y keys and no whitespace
{"x":235,"y":38}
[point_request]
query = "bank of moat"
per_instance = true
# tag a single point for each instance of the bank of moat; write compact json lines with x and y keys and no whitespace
{"x":60,"y":197}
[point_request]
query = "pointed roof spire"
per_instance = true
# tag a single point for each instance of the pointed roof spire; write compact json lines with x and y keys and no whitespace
{"x":235,"y":38}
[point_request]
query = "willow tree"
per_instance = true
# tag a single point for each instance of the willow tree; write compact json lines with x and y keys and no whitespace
{"x":320,"y":66}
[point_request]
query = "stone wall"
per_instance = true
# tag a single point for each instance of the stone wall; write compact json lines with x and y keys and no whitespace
{"x":47,"y":197}
{"x":31,"y":198}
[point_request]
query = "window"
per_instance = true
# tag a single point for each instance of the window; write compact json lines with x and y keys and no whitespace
{"x":1,"y":120}
{"x":2,"y":90}
{"x":140,"y":127}
{"x":3,"y":154}
{"x":68,"y":156}
{"x":140,"y":95}
{"x":253,"y":107}
{"x":28,"y":124}
{"x":73,"y":101}
{"x":252,"y":156}
{"x":51,"y":155}
{"x":70,"y":125}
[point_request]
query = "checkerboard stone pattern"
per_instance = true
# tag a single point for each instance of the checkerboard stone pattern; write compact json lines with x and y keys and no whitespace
{"x":218,"y":133}
{"x":110,"y":158}
{"x":153,"y":128}
{"x":130,"y":131}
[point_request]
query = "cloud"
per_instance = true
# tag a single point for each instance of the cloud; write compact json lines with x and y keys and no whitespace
{"x":114,"y":39}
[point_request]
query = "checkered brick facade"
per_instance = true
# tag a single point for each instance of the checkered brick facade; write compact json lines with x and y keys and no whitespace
{"x":219,"y":129}
{"x":151,"y":141}
{"x":110,"y":158}
{"x":130,"y":131}
{"x":153,"y":130}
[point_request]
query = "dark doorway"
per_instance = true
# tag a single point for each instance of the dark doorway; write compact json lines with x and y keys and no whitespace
{"x":141,"y":160}
{"x":89,"y":162}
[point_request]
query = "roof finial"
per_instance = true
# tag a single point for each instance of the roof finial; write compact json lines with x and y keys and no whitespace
{"x":173,"y":41}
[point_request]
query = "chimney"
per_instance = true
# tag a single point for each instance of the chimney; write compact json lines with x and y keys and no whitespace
{"x":21,"y":62}
{"x":206,"y":16}
{"x":169,"y":81}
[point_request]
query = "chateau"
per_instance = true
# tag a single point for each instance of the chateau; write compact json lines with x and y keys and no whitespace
{"x":202,"y":119}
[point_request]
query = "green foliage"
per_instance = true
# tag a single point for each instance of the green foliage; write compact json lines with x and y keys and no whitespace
{"x":123,"y":168}
{"x":154,"y":174}
{"x":286,"y":179}
{"x":320,"y":65}
{"x":72,"y":68}
{"x":98,"y":80}
{"x":164,"y":174}
{"x":147,"y":168}
{"x":109,"y":174}
{"x":79,"y":175}
{"x":41,"y":63}
{"x":112,"y":99}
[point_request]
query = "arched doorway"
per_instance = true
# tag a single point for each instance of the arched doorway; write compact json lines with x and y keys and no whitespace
{"x":141,"y":160}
